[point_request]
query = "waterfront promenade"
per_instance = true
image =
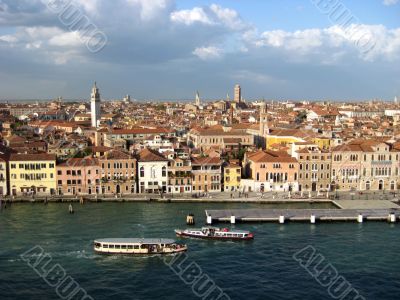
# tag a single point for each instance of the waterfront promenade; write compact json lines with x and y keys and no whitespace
{"x":346,"y":198}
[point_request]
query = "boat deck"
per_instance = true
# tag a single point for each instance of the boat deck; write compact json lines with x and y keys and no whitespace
{"x":301,"y":215}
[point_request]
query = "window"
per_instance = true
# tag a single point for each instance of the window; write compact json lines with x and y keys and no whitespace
{"x":164,"y":172}
{"x":142,"y":172}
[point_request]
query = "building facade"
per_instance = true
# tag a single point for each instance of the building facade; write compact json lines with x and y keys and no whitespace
{"x":207,"y":175}
{"x":179,"y":176}
{"x":314,"y":169}
{"x":232,"y":177}
{"x":272,"y":171}
{"x":78,"y":176}
{"x":152,"y":172}
{"x":32,"y":174}
{"x":3,"y":178}
{"x":365,"y":165}
{"x":118,"y":173}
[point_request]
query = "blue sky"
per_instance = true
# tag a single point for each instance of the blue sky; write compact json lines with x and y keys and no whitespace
{"x":168,"y":49}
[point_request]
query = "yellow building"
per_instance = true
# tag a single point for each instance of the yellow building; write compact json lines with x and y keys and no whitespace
{"x":286,"y":137}
{"x":232,"y":177}
{"x":32,"y":174}
{"x":322,"y":143}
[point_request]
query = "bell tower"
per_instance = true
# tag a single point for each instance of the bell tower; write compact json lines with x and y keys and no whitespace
{"x":264,"y":130}
{"x":95,"y":106}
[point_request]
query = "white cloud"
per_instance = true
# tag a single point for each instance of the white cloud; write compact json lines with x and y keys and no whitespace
{"x":67,"y":39}
{"x":208,"y":53}
{"x":150,"y":9}
{"x":8,"y":38}
{"x":212,"y":15}
{"x":89,"y":6}
{"x":228,"y":17}
{"x":188,"y":17}
{"x":369,"y":41}
{"x":390,"y":2}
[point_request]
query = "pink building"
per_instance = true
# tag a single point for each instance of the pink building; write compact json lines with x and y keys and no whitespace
{"x":272,"y":171}
{"x":79,"y":176}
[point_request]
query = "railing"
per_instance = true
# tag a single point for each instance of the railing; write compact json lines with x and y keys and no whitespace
{"x":382,"y":162}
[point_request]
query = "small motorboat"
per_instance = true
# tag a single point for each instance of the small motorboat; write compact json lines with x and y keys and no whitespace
{"x":215,"y":233}
{"x":135,"y":246}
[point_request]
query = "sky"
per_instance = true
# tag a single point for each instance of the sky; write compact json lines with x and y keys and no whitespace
{"x":169,"y":49}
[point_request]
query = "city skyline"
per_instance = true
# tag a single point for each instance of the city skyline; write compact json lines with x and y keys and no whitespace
{"x":277,"y":50}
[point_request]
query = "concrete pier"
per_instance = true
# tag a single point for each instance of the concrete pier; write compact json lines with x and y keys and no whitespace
{"x":301,"y":215}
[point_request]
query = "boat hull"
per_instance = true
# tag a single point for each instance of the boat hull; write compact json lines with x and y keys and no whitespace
{"x":210,"y":237}
{"x":183,"y":249}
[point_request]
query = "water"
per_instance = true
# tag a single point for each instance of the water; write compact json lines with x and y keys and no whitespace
{"x":367,"y":254}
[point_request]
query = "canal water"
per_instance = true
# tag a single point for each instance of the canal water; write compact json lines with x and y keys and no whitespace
{"x":366,"y":255}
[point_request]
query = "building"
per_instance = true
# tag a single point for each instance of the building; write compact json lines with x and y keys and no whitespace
{"x":128,"y":137}
{"x":286,"y":137}
{"x":271,"y":171}
{"x":179,"y":176}
{"x":232,"y":177}
{"x":314,"y":169}
{"x":95,"y":106}
{"x":197,"y":102}
{"x":237,"y":94}
{"x":32,"y":174}
{"x":218,"y":137}
{"x":3,"y":178}
{"x":118,"y":173}
{"x":78,"y":176}
{"x":152,"y":172}
{"x":264,"y":130}
{"x":207,"y":174}
{"x":365,"y":165}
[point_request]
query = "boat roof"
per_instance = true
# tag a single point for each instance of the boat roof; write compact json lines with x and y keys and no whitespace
{"x":135,"y":241}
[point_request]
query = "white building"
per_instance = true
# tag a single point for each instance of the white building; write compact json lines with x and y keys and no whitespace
{"x":95,"y":106}
{"x":152,"y":172}
{"x":3,"y":181}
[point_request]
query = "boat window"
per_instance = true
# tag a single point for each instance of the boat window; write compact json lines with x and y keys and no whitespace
{"x":97,"y":245}
{"x":143,"y":246}
{"x":136,"y":247}
{"x":112,"y":246}
{"x":117,"y":246}
{"x":130,"y":247}
{"x":105,"y":245}
{"x":123,"y":247}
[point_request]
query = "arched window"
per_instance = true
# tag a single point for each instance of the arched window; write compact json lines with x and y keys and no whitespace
{"x":142,"y":172}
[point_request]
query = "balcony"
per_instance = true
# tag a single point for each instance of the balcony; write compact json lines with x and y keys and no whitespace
{"x":381,"y":162}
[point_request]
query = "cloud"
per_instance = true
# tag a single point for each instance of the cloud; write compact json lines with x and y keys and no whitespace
{"x":390,"y":2}
{"x":165,"y":45}
{"x":189,"y":17}
{"x":368,"y":42}
{"x":151,"y":9}
{"x":208,"y":53}
{"x":214,"y":14}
